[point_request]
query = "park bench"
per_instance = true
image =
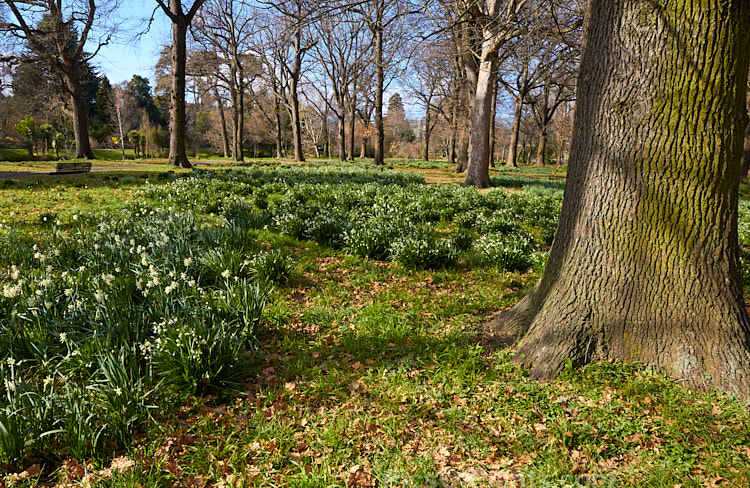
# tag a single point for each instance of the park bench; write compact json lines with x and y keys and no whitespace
{"x":66,"y":168}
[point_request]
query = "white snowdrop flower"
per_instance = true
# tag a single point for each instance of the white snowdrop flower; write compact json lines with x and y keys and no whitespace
{"x":45,"y":282}
{"x":31,"y":301}
{"x":58,"y":222}
{"x":117,"y":270}
{"x":48,"y":381}
{"x":68,"y":292}
{"x":63,"y":337}
{"x":108,"y":278}
{"x":118,"y":391}
{"x":71,"y":307}
{"x":100,"y":296}
{"x":75,"y":216}
{"x":9,"y":385}
{"x":139,"y":284}
{"x":82,"y":269}
{"x":144,"y":260}
{"x":48,"y":305}
{"x":191,"y":283}
{"x":11,"y":361}
{"x":38,"y":292}
{"x":188,"y":261}
{"x":79,"y":303}
{"x":15,"y":272}
{"x":226,"y":273}
{"x":11,"y":291}
{"x":35,"y":247}
{"x":75,"y":353}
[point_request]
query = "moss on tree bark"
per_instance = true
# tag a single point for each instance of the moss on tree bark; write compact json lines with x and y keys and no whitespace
{"x":644,"y":266}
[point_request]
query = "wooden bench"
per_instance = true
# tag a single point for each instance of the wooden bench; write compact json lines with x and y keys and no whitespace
{"x":66,"y":168}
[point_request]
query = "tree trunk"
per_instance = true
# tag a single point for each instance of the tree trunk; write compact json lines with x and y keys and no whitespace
{"x":478,"y":174}
{"x":541,"y":148}
{"x":492,"y":125}
{"x":462,"y":154}
{"x":426,"y":152}
{"x":177,"y":122}
{"x":644,"y":266}
{"x":379,"y":87}
{"x":80,"y":117}
{"x":279,"y":129}
{"x":222,"y":119}
{"x":352,"y":126}
{"x":515,"y":132}
{"x":342,"y":135}
{"x":294,"y":96}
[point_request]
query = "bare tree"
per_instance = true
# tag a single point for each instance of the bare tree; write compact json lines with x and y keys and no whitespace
{"x":225,"y":27}
{"x":430,"y":84}
{"x":342,"y":49}
{"x":56,"y":33}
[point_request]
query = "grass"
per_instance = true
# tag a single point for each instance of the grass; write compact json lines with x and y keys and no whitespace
{"x":367,"y":373}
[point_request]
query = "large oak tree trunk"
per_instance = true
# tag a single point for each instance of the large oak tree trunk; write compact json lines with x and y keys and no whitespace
{"x":644,"y":266}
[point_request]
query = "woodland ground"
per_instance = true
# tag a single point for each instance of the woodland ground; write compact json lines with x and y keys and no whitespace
{"x":368,"y":373}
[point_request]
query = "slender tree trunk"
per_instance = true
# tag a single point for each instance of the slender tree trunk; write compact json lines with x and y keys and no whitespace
{"x":644,"y":266}
{"x":426,"y":149}
{"x":279,"y":129}
{"x":452,"y":148}
{"x":342,"y":132}
{"x":542,"y":146}
{"x":177,"y":122}
{"x":492,"y":125}
{"x":294,"y":96}
{"x":352,"y":125}
{"x":379,"y":88}
{"x":515,"y":132}
{"x":223,"y":121}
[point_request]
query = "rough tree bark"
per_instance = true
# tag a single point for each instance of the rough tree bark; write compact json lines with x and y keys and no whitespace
{"x":644,"y":266}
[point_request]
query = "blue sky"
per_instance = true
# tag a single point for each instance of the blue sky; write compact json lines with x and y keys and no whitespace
{"x":126,"y":56}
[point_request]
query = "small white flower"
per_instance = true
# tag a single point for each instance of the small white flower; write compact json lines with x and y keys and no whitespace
{"x":48,"y":381}
{"x":226,"y":273}
{"x":63,"y":337}
{"x":10,"y":361}
{"x":118,"y":391}
{"x":9,"y":385}
{"x":68,"y":292}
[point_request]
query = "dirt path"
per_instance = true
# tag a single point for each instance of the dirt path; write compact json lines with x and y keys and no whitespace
{"x":26,"y":174}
